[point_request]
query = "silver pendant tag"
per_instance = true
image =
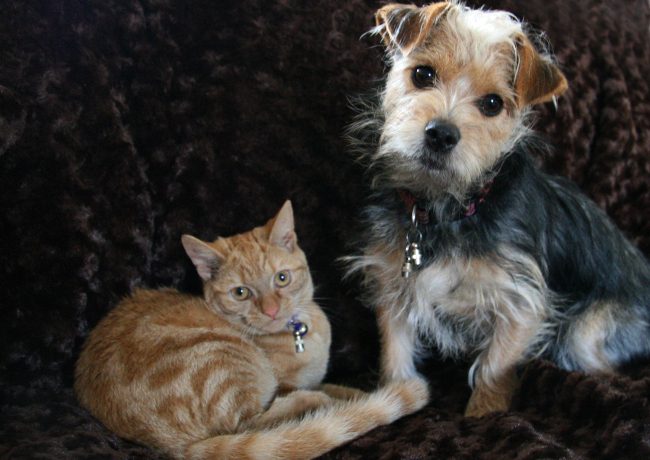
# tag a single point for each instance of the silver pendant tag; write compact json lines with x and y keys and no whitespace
{"x":412,"y":253}
{"x":407,"y":268}
{"x":299,"y":330}
{"x":299,"y":343}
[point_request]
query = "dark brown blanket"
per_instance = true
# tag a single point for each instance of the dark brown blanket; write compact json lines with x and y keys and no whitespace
{"x":124,"y":124}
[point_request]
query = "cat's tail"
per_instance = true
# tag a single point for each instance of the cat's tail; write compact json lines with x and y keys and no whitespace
{"x":319,"y":431}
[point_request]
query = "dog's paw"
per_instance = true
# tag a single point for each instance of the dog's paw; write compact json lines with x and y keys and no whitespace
{"x":418,"y":388}
{"x":414,"y":392}
{"x":399,"y":375}
{"x":484,"y":401}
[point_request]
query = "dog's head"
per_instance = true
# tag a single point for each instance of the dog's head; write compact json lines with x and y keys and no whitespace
{"x":457,"y":94}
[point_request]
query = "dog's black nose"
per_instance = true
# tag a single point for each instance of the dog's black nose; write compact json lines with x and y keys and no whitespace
{"x":441,"y":136}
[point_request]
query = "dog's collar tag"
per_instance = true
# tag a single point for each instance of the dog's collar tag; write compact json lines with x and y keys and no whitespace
{"x":412,"y":253}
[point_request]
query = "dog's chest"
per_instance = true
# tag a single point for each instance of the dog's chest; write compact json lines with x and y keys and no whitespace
{"x":457,"y":286}
{"x":453,"y":301}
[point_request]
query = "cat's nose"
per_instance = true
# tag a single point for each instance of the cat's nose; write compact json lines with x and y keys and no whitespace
{"x":270,"y":308}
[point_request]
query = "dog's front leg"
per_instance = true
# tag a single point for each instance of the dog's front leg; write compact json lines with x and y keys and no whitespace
{"x":493,"y":396}
{"x":495,"y":378}
{"x":398,"y":345}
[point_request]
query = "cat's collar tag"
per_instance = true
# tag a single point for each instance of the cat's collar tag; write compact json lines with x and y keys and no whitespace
{"x":299,"y":330}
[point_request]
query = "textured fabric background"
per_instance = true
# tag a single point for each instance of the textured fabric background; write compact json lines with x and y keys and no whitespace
{"x":124,"y":124}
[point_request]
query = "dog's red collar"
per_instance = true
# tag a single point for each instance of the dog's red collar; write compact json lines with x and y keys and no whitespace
{"x":410,"y":201}
{"x":422,"y":213}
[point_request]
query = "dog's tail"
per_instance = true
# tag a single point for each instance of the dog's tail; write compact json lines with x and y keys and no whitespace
{"x":319,"y":431}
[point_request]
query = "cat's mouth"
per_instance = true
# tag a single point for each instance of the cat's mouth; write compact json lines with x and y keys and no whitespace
{"x":267,"y":325}
{"x":278,"y":324}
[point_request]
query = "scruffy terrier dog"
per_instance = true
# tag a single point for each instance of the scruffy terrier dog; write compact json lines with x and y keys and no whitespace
{"x":467,"y":245}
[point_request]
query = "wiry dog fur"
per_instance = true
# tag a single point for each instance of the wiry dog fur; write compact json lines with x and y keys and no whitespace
{"x":537,"y":268}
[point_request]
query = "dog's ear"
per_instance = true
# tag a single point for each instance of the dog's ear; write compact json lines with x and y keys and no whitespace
{"x":537,"y":79}
{"x":403,"y":27}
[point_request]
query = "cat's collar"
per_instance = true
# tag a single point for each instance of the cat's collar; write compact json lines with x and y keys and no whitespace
{"x":299,"y":330}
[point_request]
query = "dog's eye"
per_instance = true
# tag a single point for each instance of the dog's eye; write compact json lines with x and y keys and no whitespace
{"x":423,"y":76}
{"x":490,"y":105}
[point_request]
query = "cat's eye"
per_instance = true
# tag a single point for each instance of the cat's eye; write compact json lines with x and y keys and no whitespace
{"x":282,"y":278}
{"x":490,"y":105}
{"x":423,"y":76}
{"x":241,"y":293}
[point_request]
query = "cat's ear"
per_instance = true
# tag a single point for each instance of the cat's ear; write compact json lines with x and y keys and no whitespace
{"x":205,"y":258}
{"x":282,"y":228}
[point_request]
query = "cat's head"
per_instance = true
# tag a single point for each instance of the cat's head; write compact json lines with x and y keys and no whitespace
{"x":258,"y":279}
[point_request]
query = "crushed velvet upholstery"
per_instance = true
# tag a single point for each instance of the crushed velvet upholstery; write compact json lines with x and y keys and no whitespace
{"x":124,"y":124}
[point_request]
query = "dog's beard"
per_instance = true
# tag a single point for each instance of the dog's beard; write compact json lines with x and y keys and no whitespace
{"x":426,"y":174}
{"x":433,"y":162}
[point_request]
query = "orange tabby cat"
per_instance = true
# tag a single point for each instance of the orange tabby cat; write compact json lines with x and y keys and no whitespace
{"x":232,"y":374}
